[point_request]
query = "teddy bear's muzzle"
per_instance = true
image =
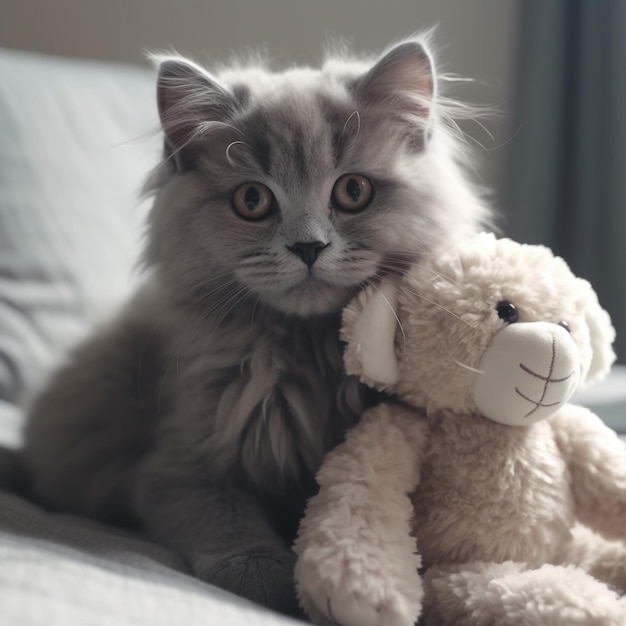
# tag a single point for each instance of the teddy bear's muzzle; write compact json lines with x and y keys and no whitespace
{"x":527,"y":373}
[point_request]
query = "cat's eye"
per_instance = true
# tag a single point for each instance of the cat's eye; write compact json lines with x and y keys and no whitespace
{"x":352,"y":192}
{"x":252,"y":201}
{"x":507,"y":312}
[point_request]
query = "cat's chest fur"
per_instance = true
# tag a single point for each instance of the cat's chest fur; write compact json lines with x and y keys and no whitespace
{"x":260,"y":397}
{"x":491,"y":492}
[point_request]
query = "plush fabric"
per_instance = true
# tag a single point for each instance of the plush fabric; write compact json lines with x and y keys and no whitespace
{"x":77,"y":140}
{"x":451,"y":477}
{"x":608,"y":399}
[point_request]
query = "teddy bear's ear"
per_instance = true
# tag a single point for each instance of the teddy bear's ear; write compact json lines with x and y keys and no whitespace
{"x":369,"y":328}
{"x":602,"y":336}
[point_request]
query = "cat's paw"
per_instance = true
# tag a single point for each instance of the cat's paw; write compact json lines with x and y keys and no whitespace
{"x":263,"y":574}
{"x":369,"y":603}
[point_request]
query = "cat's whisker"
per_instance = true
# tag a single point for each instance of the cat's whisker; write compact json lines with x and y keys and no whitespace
{"x":394,"y":313}
{"x":392,"y":268}
{"x":236,"y":297}
{"x":206,"y":296}
{"x":140,"y":394}
{"x":201,"y":129}
{"x":190,"y":331}
{"x":228,"y":148}
{"x":256,"y":302}
{"x":475,"y":345}
{"x":484,"y":128}
{"x":257,"y":259}
{"x":437,"y":274}
{"x":194,"y":272}
{"x":443,"y":308}
{"x":204,"y":127}
{"x":224,"y":298}
{"x":240,"y":295}
{"x":358,"y":123}
{"x":507,"y":141}
{"x":468,"y":367}
{"x":415,"y":294}
{"x":479,"y":144}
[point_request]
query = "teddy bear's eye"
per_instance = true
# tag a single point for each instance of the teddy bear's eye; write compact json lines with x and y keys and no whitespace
{"x":507,"y":312}
{"x":565,"y":325}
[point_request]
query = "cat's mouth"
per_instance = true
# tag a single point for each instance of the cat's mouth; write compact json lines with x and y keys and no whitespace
{"x":312,"y":296}
{"x":315,"y":296}
{"x":314,"y":290}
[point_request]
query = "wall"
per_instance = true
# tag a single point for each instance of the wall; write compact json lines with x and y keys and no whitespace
{"x":476,"y":38}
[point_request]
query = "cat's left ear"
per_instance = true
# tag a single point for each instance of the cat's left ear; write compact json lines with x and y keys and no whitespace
{"x":189,"y":99}
{"x":403,"y":81}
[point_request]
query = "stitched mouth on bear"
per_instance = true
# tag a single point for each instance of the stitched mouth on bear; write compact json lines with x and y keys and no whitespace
{"x":547,"y":381}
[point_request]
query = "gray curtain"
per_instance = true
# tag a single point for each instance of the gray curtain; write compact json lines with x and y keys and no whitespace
{"x":567,"y":168}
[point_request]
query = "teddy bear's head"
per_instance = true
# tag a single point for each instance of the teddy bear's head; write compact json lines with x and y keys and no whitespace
{"x":489,"y":326}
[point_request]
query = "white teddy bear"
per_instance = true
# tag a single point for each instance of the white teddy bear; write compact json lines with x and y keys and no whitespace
{"x":463,"y":498}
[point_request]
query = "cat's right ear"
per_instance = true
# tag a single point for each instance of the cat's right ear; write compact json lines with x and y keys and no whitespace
{"x":189,"y":99}
{"x":402,"y":81}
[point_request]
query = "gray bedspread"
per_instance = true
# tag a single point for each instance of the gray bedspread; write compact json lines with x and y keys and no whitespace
{"x":59,"y":570}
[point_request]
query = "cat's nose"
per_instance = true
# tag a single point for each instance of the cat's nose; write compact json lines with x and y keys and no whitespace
{"x":308,"y":251}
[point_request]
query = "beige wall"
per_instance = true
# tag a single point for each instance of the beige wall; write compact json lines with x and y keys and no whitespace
{"x":476,"y":37}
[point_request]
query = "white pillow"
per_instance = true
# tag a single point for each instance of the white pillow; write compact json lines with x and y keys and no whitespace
{"x":77,"y":139}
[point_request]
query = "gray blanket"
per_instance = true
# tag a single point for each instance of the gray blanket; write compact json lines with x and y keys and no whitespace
{"x":58,"y":570}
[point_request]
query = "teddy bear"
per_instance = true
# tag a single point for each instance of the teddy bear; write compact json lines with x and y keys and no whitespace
{"x":475,"y":493}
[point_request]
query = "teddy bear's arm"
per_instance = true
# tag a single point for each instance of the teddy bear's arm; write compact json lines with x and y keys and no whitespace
{"x":596,"y":458}
{"x":357,"y":561}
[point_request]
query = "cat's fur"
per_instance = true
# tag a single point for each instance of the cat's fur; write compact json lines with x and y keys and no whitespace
{"x":204,"y":410}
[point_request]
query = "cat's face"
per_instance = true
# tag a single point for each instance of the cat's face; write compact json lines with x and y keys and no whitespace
{"x":295,"y":189}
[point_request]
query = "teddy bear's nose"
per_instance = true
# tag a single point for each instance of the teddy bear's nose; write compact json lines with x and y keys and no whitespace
{"x":528,"y":372}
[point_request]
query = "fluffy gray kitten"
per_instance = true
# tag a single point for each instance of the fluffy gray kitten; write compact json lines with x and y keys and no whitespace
{"x":204,"y":410}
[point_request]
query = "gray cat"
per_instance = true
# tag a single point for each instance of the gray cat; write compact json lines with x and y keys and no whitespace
{"x":204,"y":410}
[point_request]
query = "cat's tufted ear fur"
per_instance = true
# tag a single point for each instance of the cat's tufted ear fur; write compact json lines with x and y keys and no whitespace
{"x":369,"y":328}
{"x":601,"y":335}
{"x":189,"y":100}
{"x":403,"y":81}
